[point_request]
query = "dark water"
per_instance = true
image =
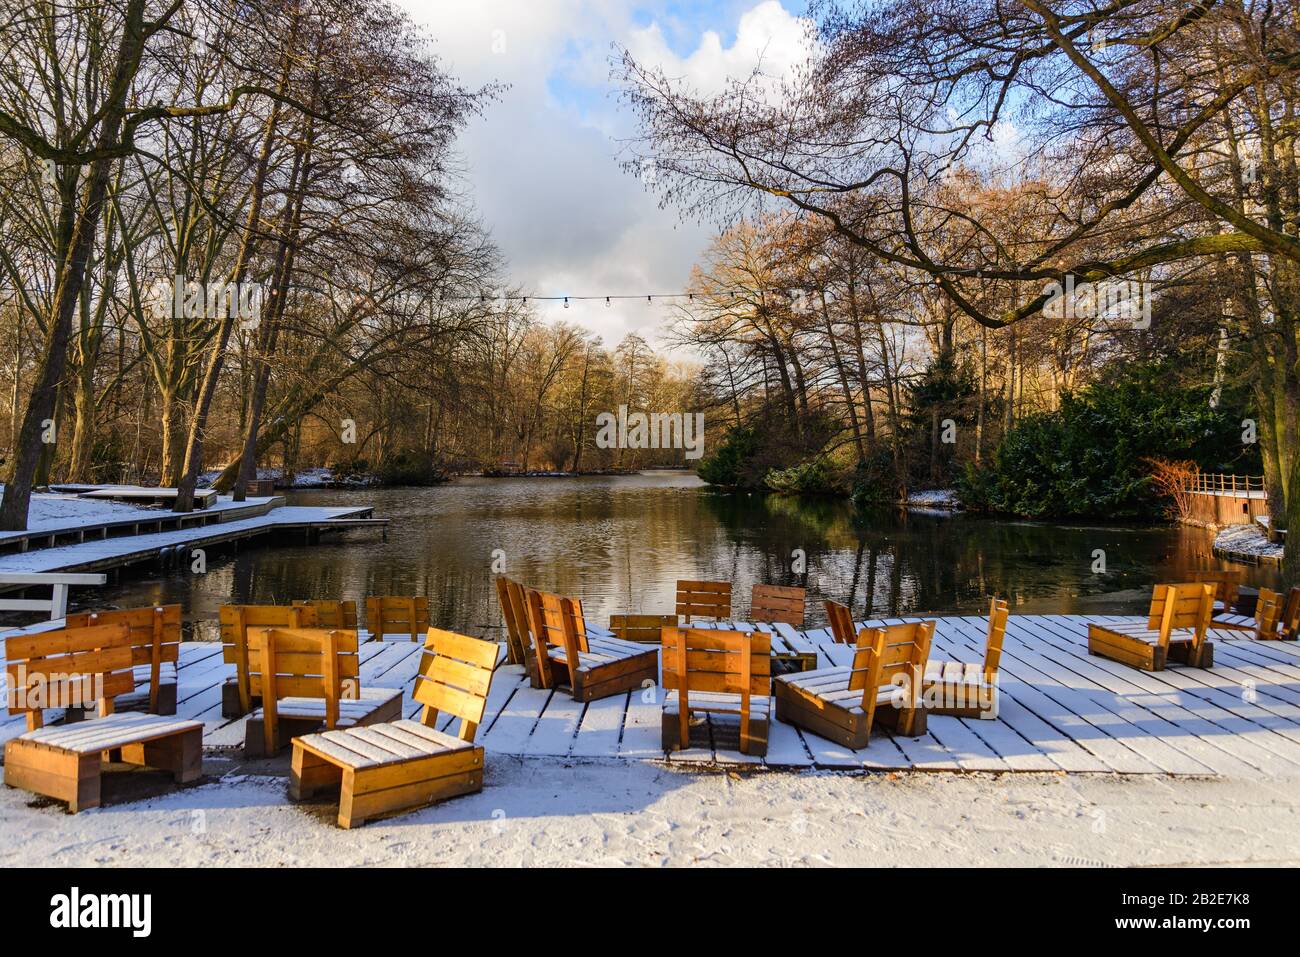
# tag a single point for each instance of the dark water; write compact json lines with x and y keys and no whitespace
{"x":621,"y":543}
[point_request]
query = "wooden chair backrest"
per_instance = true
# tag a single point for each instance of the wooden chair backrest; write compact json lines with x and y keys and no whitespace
{"x":155,"y":636}
{"x":708,"y":659}
{"x":1268,"y":613}
{"x":238,"y":621}
{"x":841,"y":622}
{"x":70,"y":667}
{"x":455,"y":677}
{"x":714,"y":660}
{"x":514,"y":609}
{"x":555,"y":622}
{"x":710,"y":600}
{"x":645,"y":628}
{"x":1183,"y":605}
{"x":299,"y":663}
{"x":1289,"y":624}
{"x":903,"y":655}
{"x":892,"y":655}
{"x":997,"y":631}
{"x":1226,"y":583}
{"x":397,"y":615}
{"x":332,"y":614}
{"x":782,"y":603}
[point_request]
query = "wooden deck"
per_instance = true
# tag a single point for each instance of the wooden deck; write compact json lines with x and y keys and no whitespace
{"x":1061,"y":710}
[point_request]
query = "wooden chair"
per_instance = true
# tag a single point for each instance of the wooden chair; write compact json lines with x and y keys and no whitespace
{"x":402,"y":765}
{"x":1275,"y":619}
{"x":72,"y":667}
{"x":1174,"y":630}
{"x":712,"y":671}
{"x":882,"y":685}
{"x":644,"y":629}
{"x":300,"y":675}
{"x":155,"y":647}
{"x":711,"y":600}
{"x":237,"y":621}
{"x":332,"y":614}
{"x":560,"y":650}
{"x":841,"y":622}
{"x":966,"y":690}
{"x":397,"y":616}
{"x":514,"y":610}
{"x":1227,"y":584}
{"x":773,"y":603}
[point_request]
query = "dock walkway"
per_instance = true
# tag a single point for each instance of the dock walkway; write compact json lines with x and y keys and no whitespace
{"x":1061,"y":710}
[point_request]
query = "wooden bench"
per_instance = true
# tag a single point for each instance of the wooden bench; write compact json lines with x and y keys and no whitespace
{"x":394,"y":616}
{"x":236,"y":622}
{"x":883,"y":685}
{"x":560,"y":650}
{"x":643,"y":629}
{"x":155,"y":647}
{"x":399,"y":766}
{"x":1174,"y":630}
{"x":710,"y":671}
{"x":969,"y":690}
{"x":299,"y":674}
{"x":709,"y":600}
{"x":775,"y":603}
{"x":70,"y":668}
{"x":1276,"y":618}
{"x":514,"y":611}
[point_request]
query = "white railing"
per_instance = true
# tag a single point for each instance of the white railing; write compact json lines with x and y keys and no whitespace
{"x":57,"y":603}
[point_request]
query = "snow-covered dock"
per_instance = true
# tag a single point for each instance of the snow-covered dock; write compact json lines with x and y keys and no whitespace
{"x":72,"y":534}
{"x":1061,"y":710}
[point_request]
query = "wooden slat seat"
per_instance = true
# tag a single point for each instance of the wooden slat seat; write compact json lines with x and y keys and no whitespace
{"x":1174,"y":630}
{"x":108,"y":734}
{"x":401,"y":765}
{"x":238,"y":694}
{"x":561,"y":653}
{"x":68,"y":668}
{"x":372,"y":701}
{"x":1276,"y":618}
{"x":715,"y":671}
{"x":969,"y":690}
{"x":883,"y":686}
{"x":514,"y":612}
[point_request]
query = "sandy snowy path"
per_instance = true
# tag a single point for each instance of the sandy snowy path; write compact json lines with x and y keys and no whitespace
{"x":544,"y":812}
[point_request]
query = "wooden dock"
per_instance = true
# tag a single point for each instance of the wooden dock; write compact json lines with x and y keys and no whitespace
{"x":107,"y":552}
{"x":1061,"y":710}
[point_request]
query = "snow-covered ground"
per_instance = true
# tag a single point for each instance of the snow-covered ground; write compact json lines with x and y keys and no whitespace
{"x":1248,"y":541}
{"x":536,"y":811}
{"x":62,"y":511}
{"x":934,"y":498}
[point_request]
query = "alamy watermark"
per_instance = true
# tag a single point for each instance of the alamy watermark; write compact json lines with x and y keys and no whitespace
{"x":1115,"y":302}
{"x":181,"y":298}
{"x":652,"y":430}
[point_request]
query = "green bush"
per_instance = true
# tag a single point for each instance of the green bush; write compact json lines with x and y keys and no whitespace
{"x":1087,"y":459}
{"x":731,"y":465}
{"x":806,"y":478}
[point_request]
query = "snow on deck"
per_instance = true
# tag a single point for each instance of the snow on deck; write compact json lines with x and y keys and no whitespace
{"x":1061,"y":709}
{"x":133,"y":547}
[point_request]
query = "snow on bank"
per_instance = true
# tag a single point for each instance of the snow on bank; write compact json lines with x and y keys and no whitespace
{"x":307,"y":478}
{"x":64,"y":511}
{"x":1248,"y":542}
{"x":935,"y":498}
{"x":549,"y":812}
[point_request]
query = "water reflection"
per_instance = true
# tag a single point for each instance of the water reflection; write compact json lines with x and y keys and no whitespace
{"x":622,"y":542}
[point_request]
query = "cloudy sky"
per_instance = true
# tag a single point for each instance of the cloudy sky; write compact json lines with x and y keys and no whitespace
{"x":542,"y":163}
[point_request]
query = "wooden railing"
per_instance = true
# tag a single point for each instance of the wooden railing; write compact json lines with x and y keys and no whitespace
{"x":1217,"y":482}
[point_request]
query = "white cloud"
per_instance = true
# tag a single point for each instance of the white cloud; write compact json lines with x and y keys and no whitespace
{"x":542,"y":163}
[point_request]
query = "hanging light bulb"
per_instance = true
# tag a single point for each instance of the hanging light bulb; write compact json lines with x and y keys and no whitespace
{"x":566,"y":302}
{"x":607,"y":302}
